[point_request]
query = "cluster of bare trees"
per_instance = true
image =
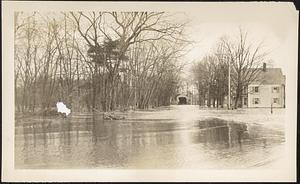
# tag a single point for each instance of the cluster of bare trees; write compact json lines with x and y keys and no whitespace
{"x":242,"y":57}
{"x":96,"y":60}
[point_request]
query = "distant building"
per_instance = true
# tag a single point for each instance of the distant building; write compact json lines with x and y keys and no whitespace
{"x":267,"y":89}
{"x":186,"y":94}
{"x":182,"y":99}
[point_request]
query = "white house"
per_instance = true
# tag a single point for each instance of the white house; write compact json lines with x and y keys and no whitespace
{"x":267,"y":90}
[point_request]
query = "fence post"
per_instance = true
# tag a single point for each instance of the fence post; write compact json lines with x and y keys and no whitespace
{"x":271,"y":108}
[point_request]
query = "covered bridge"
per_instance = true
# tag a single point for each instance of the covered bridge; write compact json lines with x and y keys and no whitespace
{"x":182,"y":99}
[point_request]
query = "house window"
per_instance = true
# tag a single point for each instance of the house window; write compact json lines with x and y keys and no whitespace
{"x":255,"y":89}
{"x":255,"y":100}
{"x":276,"y":100}
{"x":275,"y":89}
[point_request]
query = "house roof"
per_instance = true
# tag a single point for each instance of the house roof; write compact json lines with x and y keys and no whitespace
{"x":270,"y":76}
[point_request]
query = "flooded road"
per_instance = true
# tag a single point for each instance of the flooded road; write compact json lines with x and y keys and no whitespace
{"x":176,"y":137}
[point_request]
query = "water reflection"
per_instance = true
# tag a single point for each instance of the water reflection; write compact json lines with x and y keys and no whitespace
{"x":89,"y":142}
{"x":220,"y":132}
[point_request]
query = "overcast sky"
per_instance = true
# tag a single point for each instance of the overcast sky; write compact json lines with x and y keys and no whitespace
{"x":272,"y":24}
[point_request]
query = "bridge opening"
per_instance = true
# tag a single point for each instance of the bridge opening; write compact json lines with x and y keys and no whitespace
{"x":182,"y":101}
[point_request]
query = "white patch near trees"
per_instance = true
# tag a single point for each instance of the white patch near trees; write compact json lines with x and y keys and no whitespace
{"x":61,"y":107}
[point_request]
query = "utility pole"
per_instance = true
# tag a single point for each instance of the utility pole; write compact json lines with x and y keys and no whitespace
{"x":135,"y":95}
{"x":229,"y":90}
{"x":193,"y":91}
{"x":187,"y":91}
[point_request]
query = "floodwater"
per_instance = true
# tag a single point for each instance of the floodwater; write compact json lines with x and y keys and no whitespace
{"x":165,"y":139}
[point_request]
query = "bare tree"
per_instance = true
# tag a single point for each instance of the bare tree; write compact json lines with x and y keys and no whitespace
{"x":246,"y":60}
{"x":96,"y":60}
{"x":211,"y":73}
{"x":110,"y":34}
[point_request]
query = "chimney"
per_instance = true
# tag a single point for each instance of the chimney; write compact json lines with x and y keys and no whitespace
{"x":264,"y":67}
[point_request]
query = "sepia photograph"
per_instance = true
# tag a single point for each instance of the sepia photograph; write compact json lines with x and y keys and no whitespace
{"x":141,"y":91}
